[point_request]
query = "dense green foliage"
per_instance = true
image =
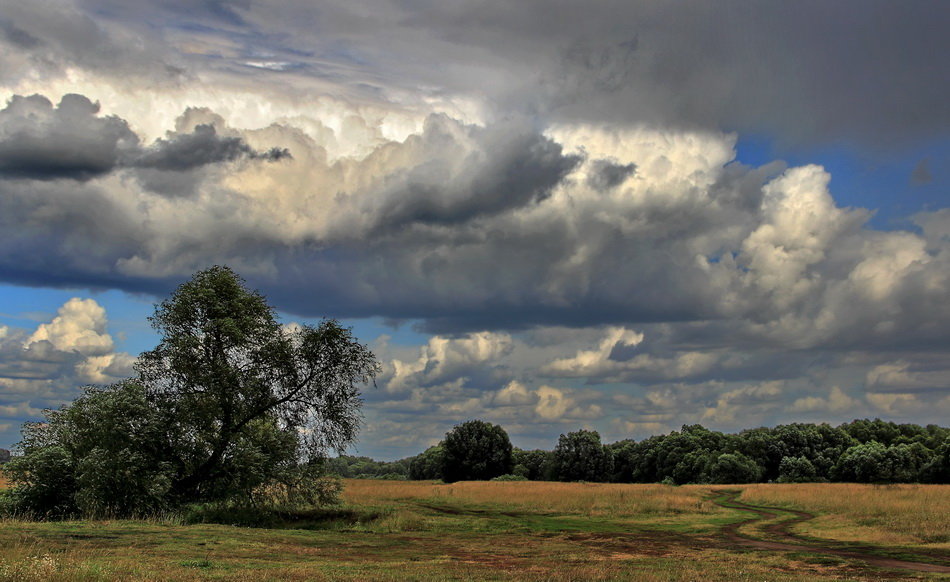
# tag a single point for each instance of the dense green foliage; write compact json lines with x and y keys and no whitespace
{"x":428,"y":464}
{"x":868,"y":451}
{"x":101,"y":454}
{"x":579,"y":456}
{"x":351,"y":467}
{"x":476,"y":450}
{"x":535,"y":465}
{"x":228,"y":403}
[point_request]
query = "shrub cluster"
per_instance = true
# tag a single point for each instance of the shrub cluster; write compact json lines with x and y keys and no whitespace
{"x":351,"y":467}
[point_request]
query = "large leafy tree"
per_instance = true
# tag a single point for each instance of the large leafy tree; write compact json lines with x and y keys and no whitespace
{"x":225,"y":368}
{"x":228,"y":400}
{"x":476,"y":450}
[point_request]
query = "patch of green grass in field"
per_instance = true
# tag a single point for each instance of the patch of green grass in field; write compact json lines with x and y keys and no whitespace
{"x":413,"y":538}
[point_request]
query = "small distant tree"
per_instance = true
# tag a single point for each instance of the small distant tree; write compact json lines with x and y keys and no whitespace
{"x":877,"y":430}
{"x":734,"y":468}
{"x":534,"y":465}
{"x":579,"y":456}
{"x":624,"y":455}
{"x":865,"y":463}
{"x":227,"y":402}
{"x":796,"y":470}
{"x":427,"y":465}
{"x":873,"y":462}
{"x":685,"y":456}
{"x":937,"y":470}
{"x":476,"y":450}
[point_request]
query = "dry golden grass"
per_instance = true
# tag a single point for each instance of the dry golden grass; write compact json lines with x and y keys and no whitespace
{"x":891,"y":514}
{"x":591,"y":499}
{"x":463,"y":531}
{"x":3,"y":481}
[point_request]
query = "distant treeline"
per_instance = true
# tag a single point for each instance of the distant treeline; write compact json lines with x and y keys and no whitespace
{"x":865,"y":451}
{"x":351,"y":467}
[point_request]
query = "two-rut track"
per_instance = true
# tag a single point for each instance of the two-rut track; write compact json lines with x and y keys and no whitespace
{"x":784,"y":540}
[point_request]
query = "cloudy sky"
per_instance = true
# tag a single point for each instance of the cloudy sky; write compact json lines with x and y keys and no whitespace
{"x":624,"y":216}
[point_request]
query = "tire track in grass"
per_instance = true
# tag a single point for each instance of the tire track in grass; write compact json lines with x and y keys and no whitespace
{"x":793,"y":543}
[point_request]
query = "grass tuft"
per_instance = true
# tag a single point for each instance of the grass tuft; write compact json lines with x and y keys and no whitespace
{"x":200,"y":564}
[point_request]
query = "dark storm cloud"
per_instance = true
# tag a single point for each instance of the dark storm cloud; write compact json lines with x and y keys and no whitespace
{"x":60,"y":234}
{"x":71,"y":141}
{"x":201,"y":147}
{"x":61,"y":36}
{"x":226,"y":10}
{"x":812,"y":70}
{"x":505,"y":168}
{"x":43,"y":142}
{"x":510,"y":274}
{"x":867,"y":72}
{"x":605,"y":174}
{"x":18,"y":36}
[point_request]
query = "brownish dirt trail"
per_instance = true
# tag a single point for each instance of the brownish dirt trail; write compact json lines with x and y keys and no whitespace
{"x":791,"y":542}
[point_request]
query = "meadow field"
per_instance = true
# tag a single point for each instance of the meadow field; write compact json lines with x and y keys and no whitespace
{"x":416,"y":530}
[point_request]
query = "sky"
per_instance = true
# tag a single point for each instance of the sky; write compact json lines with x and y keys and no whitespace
{"x":551,"y":215}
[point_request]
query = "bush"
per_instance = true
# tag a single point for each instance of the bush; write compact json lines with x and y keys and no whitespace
{"x":304,"y":491}
{"x":510,"y":477}
{"x":100,"y":456}
{"x":44,"y":482}
{"x":391,"y":477}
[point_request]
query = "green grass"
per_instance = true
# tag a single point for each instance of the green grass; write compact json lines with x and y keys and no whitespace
{"x":424,"y":531}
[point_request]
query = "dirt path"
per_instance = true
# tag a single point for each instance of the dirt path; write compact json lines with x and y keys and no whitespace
{"x":780,"y":531}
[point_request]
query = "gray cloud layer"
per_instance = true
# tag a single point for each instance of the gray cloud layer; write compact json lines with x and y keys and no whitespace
{"x":808,"y":71}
